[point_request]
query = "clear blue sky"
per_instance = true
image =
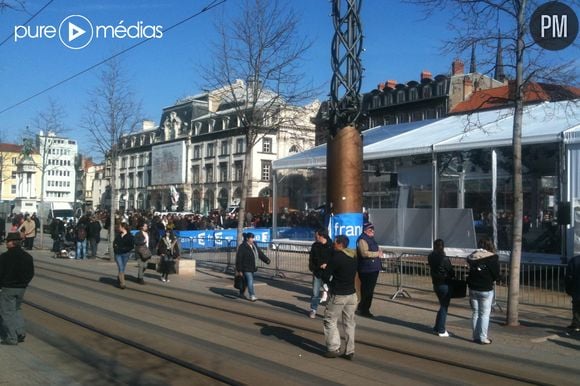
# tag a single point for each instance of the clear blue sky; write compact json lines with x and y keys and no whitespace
{"x":398,"y":44}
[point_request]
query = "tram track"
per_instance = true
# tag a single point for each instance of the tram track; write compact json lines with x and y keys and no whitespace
{"x":159,"y":355}
{"x":252,"y":317}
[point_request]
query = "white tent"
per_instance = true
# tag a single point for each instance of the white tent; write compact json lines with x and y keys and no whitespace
{"x":543,"y":123}
{"x":548,"y":122}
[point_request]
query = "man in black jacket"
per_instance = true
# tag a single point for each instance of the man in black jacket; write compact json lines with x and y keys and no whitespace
{"x":340,"y":273}
{"x":93,"y":235}
{"x":16,"y":271}
{"x":319,"y":253}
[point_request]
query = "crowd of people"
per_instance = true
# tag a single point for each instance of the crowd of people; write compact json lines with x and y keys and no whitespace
{"x":333,"y":264}
{"x":343,"y":278}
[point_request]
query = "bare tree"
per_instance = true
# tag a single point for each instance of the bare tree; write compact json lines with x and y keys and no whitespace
{"x":484,"y":22}
{"x":256,"y":69}
{"x":111,"y":113}
{"x":47,"y":122}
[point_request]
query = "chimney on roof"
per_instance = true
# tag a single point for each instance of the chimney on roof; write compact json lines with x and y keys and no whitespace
{"x":457,"y":67}
{"x":499,"y":74}
{"x":467,"y":87}
{"x":426,"y":75}
{"x":391,"y":84}
{"x":472,"y":65}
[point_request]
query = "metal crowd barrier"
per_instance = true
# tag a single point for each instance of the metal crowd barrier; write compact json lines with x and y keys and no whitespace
{"x":540,"y":284}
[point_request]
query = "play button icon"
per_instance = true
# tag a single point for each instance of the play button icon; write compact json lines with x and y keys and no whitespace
{"x":75,"y":32}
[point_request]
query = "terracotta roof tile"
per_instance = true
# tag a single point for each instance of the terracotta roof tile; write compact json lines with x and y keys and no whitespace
{"x":10,"y":148}
{"x":501,"y":96}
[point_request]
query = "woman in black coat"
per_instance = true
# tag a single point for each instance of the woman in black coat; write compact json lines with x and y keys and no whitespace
{"x":142,"y":251}
{"x":246,"y":257}
{"x":441,"y":272}
{"x":168,"y":251}
{"x":122,"y":246}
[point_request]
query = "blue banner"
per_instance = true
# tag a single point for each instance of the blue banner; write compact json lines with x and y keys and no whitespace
{"x":218,"y":238}
{"x":348,"y":224}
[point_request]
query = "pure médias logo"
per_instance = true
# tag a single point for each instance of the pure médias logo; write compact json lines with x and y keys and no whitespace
{"x":72,"y":34}
{"x":77,"y":31}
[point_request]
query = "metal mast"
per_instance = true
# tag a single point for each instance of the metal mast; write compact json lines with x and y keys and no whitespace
{"x":344,"y":151}
{"x":345,"y":97}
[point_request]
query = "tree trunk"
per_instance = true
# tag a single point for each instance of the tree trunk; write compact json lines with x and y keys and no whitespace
{"x":113,"y":185}
{"x":518,"y":209}
{"x":246,"y":187}
{"x":41,"y":213}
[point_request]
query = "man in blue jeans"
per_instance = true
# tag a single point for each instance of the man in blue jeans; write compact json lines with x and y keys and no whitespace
{"x":341,"y":268}
{"x":16,"y":271}
{"x":81,"y":241}
{"x":319,"y":253}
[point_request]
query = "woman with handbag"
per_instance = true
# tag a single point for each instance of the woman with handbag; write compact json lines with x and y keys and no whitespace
{"x":246,"y":257}
{"x":142,"y":251}
{"x":441,"y":273}
{"x":122,"y":246}
{"x":168,"y":250}
{"x":483,"y":273}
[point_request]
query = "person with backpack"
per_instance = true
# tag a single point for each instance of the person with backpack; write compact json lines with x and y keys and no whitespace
{"x":483,"y":273}
{"x":441,"y":272}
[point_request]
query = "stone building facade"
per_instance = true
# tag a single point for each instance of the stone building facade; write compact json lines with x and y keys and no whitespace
{"x":193,"y":160}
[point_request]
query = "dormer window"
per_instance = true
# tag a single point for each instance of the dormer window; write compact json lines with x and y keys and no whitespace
{"x":400,"y":96}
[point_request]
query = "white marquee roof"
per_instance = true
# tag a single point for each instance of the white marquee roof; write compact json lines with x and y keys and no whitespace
{"x":542,"y":123}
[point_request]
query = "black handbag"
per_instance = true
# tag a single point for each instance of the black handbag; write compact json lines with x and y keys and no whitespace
{"x":143,"y":252}
{"x":239,"y":283}
{"x":457,"y":288}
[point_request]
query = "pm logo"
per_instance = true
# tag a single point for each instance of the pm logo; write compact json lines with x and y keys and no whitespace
{"x":75,"y":32}
{"x":554,"y":26}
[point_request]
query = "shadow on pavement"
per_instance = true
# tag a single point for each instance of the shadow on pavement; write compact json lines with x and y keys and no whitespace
{"x":290,"y":286}
{"x":286,"y":306}
{"x":574,"y":344}
{"x":226,"y":292}
{"x":108,"y":281}
{"x":289,"y":336}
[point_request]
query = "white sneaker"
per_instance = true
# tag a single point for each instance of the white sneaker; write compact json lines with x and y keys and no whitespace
{"x":167,"y":280}
{"x":444,"y":334}
{"x":163,"y":279}
{"x":312,"y":314}
{"x":253,"y":298}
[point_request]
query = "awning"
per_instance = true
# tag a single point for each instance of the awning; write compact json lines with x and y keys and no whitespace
{"x":316,"y":157}
{"x":547,"y":122}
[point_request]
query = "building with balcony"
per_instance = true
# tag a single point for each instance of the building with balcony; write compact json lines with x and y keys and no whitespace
{"x":194,"y":160}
